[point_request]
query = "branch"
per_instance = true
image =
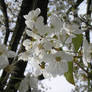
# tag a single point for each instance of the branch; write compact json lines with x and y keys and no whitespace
{"x":89,"y":14}
{"x":78,"y":2}
{"x":17,"y":33}
{"x":27,"y":5}
{"x":6,"y":20}
{"x":80,"y":66}
{"x":20,"y":24}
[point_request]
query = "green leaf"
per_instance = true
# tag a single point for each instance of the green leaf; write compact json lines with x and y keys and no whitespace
{"x":77,"y":41}
{"x":69,"y":75}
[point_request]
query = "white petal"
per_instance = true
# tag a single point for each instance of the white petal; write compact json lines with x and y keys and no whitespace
{"x":37,"y":11}
{"x":27,"y":42}
{"x":3,"y":61}
{"x":55,"y":23}
{"x":24,"y":86}
{"x":11,"y":54}
{"x":31,"y":34}
{"x":30,"y":24}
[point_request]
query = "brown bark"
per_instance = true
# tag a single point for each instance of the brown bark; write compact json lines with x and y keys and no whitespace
{"x":20,"y":24}
{"x":3,"y":7}
{"x":87,"y":33}
{"x":19,"y":29}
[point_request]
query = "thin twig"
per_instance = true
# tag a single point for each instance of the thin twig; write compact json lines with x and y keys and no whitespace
{"x":80,"y":67}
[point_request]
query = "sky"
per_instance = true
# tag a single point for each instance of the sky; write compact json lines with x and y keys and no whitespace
{"x":58,"y":84}
{"x":82,"y":8}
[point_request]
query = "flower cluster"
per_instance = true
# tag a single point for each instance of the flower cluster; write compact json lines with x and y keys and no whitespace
{"x":29,"y":83}
{"x":45,"y":48}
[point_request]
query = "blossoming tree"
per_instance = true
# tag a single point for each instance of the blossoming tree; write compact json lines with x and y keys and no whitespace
{"x":52,"y":43}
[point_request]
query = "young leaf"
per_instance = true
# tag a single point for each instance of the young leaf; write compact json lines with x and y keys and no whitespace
{"x":69,"y":75}
{"x":77,"y":41}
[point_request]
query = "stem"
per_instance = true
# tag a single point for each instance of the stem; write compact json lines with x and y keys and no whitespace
{"x":80,"y":67}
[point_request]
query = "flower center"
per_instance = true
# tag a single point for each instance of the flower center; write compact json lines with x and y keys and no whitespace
{"x":40,"y":46}
{"x":52,"y":26}
{"x":42,"y":65}
{"x":31,"y":45}
{"x":34,"y":30}
{"x":58,"y":59}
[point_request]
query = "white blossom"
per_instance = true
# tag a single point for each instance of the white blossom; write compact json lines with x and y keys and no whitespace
{"x":56,"y":24}
{"x":4,"y":55}
{"x":57,"y":69}
{"x":31,"y":18}
{"x":36,"y":69}
{"x":64,"y":37}
{"x":34,"y":35}
{"x":45,"y":43}
{"x":40,"y":28}
{"x":25,"y":55}
{"x":33,"y":14}
{"x":68,"y":32}
{"x":57,"y":62}
{"x":27,"y":44}
{"x":83,"y":26}
{"x":72,"y":29}
{"x":29,"y":82}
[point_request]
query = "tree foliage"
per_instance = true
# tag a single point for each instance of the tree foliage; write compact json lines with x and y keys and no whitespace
{"x":51,"y":35}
